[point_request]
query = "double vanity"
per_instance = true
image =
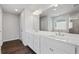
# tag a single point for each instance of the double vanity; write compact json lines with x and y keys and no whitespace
{"x":52,"y":43}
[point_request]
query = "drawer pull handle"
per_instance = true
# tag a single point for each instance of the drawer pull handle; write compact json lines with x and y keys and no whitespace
{"x":51,"y":49}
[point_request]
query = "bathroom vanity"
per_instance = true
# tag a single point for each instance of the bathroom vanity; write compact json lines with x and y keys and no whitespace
{"x":51,"y":43}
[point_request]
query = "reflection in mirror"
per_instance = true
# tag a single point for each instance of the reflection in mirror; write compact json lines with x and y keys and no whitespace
{"x":43,"y":23}
{"x":46,"y":23}
{"x":60,"y":24}
{"x":63,"y":18}
{"x":74,"y":26}
{"x":70,"y":26}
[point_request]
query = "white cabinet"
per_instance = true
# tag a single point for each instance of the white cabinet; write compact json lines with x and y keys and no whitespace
{"x":45,"y":45}
{"x":51,"y":46}
{"x":36,"y":43}
{"x":32,"y":41}
{"x":58,"y":47}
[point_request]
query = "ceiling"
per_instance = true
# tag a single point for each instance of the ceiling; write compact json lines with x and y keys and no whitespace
{"x":11,"y":7}
{"x":48,"y":9}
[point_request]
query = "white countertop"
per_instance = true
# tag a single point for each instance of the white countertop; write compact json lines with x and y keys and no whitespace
{"x":67,"y":37}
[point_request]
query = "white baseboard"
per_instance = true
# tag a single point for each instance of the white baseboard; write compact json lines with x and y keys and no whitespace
{"x":15,"y":39}
{"x":10,"y":39}
{"x":25,"y":44}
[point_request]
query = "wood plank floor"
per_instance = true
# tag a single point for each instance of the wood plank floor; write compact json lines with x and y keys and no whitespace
{"x":15,"y":47}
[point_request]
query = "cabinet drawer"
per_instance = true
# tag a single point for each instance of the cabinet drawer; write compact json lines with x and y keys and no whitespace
{"x":58,"y":47}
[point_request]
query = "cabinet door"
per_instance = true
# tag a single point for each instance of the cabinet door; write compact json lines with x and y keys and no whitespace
{"x":36,"y":44}
{"x":58,"y":47}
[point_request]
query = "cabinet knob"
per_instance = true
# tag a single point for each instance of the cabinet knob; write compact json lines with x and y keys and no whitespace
{"x":51,"y":49}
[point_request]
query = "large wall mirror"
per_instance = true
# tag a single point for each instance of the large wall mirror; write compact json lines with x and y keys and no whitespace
{"x":61,"y":18}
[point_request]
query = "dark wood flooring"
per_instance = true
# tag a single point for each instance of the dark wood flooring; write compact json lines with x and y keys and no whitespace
{"x":15,"y":47}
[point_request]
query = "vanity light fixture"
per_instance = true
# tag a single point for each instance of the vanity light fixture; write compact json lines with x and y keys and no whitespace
{"x":37,"y":12}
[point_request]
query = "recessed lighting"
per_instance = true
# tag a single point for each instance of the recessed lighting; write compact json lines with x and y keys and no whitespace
{"x":16,"y":9}
{"x":54,"y":5}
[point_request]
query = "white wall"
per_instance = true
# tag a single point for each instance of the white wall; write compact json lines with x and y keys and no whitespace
{"x":36,"y":23}
{"x":28,"y":20}
{"x":10,"y":26}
